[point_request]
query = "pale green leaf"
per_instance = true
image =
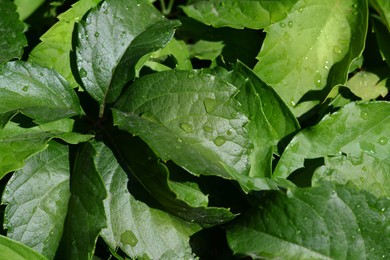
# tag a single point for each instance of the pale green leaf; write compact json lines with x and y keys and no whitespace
{"x":10,"y":249}
{"x":37,"y":200}
{"x":355,"y":128}
{"x":324,"y":222}
{"x":26,"y":7}
{"x":311,"y":50}
{"x":367,"y":85}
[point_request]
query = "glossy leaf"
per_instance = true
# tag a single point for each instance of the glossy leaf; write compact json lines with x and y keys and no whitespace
{"x":365,"y":171}
{"x":383,"y":8}
{"x":10,"y":249}
{"x":311,"y":50}
{"x":56,"y":44}
{"x":17,"y":143}
{"x":12,"y":39}
{"x":37,"y":200}
{"x":140,"y":231}
{"x":131,"y":29}
{"x":356,"y":128}
{"x":238,"y":14}
{"x":86,"y":217}
{"x":325,"y":222}
{"x":28,"y":88}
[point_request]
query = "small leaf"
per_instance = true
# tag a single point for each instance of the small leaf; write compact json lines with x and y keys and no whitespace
{"x":312,"y":49}
{"x":356,"y":128}
{"x":86,"y":217}
{"x":383,"y":8}
{"x":12,"y":39}
{"x":131,"y":29}
{"x":365,"y":171}
{"x":325,"y":222}
{"x":367,"y":85}
{"x":28,"y":87}
{"x":10,"y":249}
{"x":383,"y":37}
{"x":37,"y":200}
{"x":134,"y":227}
{"x":238,"y":14}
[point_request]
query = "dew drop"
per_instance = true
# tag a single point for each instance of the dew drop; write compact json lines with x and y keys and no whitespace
{"x":229,"y":132}
{"x":96,"y":34}
{"x":83,"y":73}
{"x":190,"y":76}
{"x":129,"y":238}
{"x":317,"y":79}
{"x":25,"y":88}
{"x":220,"y":140}
{"x":281,"y":24}
{"x":295,"y":147}
{"x":383,"y":209}
{"x":123,"y":34}
{"x":300,"y":10}
{"x":290,"y":24}
{"x":41,"y":74}
{"x":188,"y":128}
{"x":336,"y":49}
{"x":292,"y":103}
{"x":207,"y":129}
{"x":382,"y":141}
{"x":364,"y":115}
{"x":210,"y":104}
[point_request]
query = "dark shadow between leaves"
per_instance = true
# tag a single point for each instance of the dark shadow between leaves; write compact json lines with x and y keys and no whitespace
{"x":302,"y":176}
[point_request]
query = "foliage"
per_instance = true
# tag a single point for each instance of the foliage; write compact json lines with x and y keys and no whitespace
{"x":195,"y":129}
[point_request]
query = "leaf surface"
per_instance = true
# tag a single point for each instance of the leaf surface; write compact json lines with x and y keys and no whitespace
{"x":140,"y":231}
{"x":311,"y":50}
{"x":37,"y":92}
{"x":367,"y":85}
{"x":356,"y":128}
{"x":325,"y":222}
{"x":86,"y":217}
{"x":37,"y":200}
{"x":12,"y":39}
{"x":10,"y":249}
{"x":238,"y":14}
{"x":131,"y":29}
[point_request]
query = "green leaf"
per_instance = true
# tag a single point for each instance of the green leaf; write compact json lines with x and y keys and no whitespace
{"x":206,"y":50}
{"x":86,"y":217}
{"x":140,"y":231}
{"x":10,"y":249}
{"x":365,"y":171}
{"x":367,"y":85}
{"x":131,"y":29}
{"x":355,"y":128}
{"x":238,"y":14}
{"x":310,"y":51}
{"x":12,"y":39}
{"x":37,"y":200}
{"x":17,"y":143}
{"x":26,"y":7}
{"x":325,"y":222}
{"x":54,"y":50}
{"x":190,"y":193}
{"x":383,"y":37}
{"x":27,"y":87}
{"x":383,"y":8}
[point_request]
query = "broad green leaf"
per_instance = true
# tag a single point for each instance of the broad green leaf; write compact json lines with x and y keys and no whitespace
{"x":10,"y":249}
{"x":367,"y":85}
{"x":238,"y":14}
{"x":365,"y":171}
{"x":355,"y":128}
{"x":54,"y":50}
{"x":140,"y":231}
{"x":86,"y":217}
{"x":35,"y":91}
{"x":12,"y":39}
{"x":311,"y":50}
{"x":141,"y":162}
{"x":17,"y":143}
{"x":325,"y":222}
{"x":132,"y":28}
{"x":206,"y":50}
{"x":383,"y":8}
{"x":37,"y":200}
{"x":26,"y":7}
{"x":190,"y":193}
{"x":383,"y":37}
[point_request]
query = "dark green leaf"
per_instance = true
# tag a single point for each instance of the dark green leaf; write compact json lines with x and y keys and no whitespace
{"x":86,"y":217}
{"x":12,"y":39}
{"x":312,"y":50}
{"x":37,"y":92}
{"x":354,"y":129}
{"x":137,"y":229}
{"x":383,"y":37}
{"x":37,"y":200}
{"x":383,"y":8}
{"x":325,"y":222}
{"x":10,"y":249}
{"x":238,"y":14}
{"x":131,"y":29}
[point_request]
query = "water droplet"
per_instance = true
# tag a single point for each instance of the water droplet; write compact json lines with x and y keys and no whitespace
{"x":129,"y":238}
{"x":220,"y":140}
{"x":207,"y":129}
{"x":358,"y":205}
{"x":229,"y":132}
{"x":317,"y":79}
{"x":188,"y":128}
{"x":282,"y":24}
{"x":290,"y":24}
{"x":355,"y":6}
{"x":382,"y":141}
{"x":299,"y":32}
{"x":364,"y":115}
{"x":123,"y":34}
{"x":368,"y":147}
{"x":336,"y":49}
{"x":298,"y":232}
{"x":83,"y":73}
{"x":180,"y":140}
{"x":292,"y":103}
{"x":190,"y":76}
{"x":41,"y":74}
{"x":96,"y":34}
{"x":294,"y":147}
{"x":25,"y":88}
{"x":210,"y":104}
{"x":383,"y":209}
{"x":300,"y":10}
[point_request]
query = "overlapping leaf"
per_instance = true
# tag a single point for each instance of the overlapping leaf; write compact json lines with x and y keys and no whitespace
{"x":311,"y":50}
{"x":10,"y":249}
{"x":37,"y":200}
{"x":354,"y":129}
{"x":37,"y":92}
{"x":325,"y":222}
